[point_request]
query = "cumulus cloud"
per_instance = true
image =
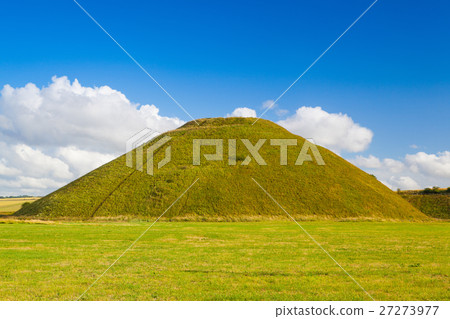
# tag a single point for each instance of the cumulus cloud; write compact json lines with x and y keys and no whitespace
{"x":36,"y":163}
{"x":335,"y":131}
{"x":7,"y":171}
{"x":5,"y":123}
{"x":404,"y":182}
{"x":367,"y":162}
{"x":63,"y":113}
{"x":432,"y":164}
{"x":83,"y":161}
{"x":242,"y":112}
{"x":26,"y":183}
{"x":53,"y":134}
{"x":414,"y":171}
{"x":393,"y":166}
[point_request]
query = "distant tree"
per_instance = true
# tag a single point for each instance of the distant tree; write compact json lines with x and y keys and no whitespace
{"x":434,"y":190}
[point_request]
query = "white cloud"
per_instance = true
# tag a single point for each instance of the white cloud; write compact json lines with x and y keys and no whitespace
{"x":269,"y":104}
{"x":414,"y":146}
{"x":367,"y":162}
{"x":393,"y":166}
{"x":5,"y":123}
{"x":53,"y":134}
{"x":414,"y":171}
{"x":7,"y":171}
{"x":83,"y":161}
{"x":242,"y":112}
{"x":404,"y":182}
{"x":281,"y":112}
{"x":30,"y":183}
{"x":432,"y":164}
{"x":39,"y":164}
{"x":335,"y":131}
{"x":64,"y":113}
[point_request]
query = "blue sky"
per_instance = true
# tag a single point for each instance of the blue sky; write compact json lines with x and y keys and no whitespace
{"x":389,"y":73}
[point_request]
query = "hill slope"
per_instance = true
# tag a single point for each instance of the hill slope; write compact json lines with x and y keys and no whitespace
{"x":223,"y":192}
{"x":435,"y":205}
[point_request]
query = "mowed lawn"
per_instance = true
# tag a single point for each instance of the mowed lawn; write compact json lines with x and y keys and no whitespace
{"x":225,"y":261}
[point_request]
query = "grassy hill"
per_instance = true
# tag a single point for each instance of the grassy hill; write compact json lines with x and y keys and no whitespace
{"x":337,"y":190}
{"x":432,"y":202}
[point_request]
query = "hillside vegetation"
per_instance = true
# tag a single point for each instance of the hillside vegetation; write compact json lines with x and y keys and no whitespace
{"x":337,"y":190}
{"x":430,"y":201}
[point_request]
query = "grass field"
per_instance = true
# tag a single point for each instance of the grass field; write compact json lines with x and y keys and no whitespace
{"x":224,"y":261}
{"x":11,"y":205}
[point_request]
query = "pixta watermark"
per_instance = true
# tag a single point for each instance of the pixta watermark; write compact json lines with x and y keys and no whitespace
{"x":136,"y":144}
{"x":254,"y":150}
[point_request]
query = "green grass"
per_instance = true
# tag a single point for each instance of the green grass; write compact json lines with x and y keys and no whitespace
{"x":434,"y":205}
{"x":11,"y":205}
{"x":337,"y":190}
{"x":224,"y":261}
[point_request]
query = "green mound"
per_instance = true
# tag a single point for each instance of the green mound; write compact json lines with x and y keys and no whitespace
{"x":336,"y":190}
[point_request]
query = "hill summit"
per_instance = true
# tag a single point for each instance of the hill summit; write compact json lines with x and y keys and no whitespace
{"x":309,"y":182}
